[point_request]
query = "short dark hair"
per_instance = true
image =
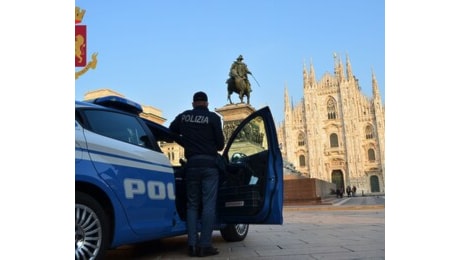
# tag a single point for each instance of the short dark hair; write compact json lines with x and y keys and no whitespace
{"x":200,"y":96}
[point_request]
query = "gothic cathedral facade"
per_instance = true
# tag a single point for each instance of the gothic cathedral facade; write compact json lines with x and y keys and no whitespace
{"x":336,"y":133}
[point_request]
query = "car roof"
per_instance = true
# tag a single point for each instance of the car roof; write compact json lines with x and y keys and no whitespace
{"x":113,"y":102}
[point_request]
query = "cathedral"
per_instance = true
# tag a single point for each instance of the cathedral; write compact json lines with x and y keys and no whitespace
{"x":336,"y":133}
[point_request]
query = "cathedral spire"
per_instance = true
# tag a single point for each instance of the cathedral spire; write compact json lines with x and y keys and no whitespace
{"x":287,"y":103}
{"x":349,"y":72}
{"x":375,"y":87}
{"x":338,"y":70}
{"x":312,"y":78}
{"x":305,"y":75}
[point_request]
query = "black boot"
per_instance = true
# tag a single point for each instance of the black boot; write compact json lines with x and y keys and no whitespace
{"x":192,"y":251}
{"x":207,"y":251}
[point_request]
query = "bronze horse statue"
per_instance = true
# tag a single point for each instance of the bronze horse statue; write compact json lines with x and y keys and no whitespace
{"x":240,"y":87}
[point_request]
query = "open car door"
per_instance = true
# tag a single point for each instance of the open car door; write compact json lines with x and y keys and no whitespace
{"x":251,"y":189}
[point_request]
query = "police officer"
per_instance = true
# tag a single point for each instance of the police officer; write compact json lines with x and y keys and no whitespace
{"x":202,"y":137}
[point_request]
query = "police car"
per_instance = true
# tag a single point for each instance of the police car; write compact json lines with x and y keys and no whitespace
{"x":127,"y":191}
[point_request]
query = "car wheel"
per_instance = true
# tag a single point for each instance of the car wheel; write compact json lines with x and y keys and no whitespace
{"x":234,"y":232}
{"x":91,"y":228}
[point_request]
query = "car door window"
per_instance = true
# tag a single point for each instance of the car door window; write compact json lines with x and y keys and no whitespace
{"x":119,"y":126}
{"x":249,"y":148}
{"x":243,"y":189}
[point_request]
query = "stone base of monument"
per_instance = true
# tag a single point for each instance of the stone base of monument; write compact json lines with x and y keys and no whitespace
{"x":232,"y":115}
{"x":300,"y":190}
{"x":232,"y":112}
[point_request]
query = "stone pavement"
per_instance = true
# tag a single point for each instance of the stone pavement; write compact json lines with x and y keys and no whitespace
{"x":347,"y":228}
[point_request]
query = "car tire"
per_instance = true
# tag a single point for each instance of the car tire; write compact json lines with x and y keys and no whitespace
{"x":234,"y":232}
{"x":91,"y":228}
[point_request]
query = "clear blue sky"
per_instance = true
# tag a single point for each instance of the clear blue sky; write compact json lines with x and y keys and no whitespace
{"x":160,"y":52}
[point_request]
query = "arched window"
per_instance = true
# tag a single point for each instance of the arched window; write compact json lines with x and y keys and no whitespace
{"x":302,"y":161}
{"x":331,"y":109}
{"x":334,"y":140}
{"x":371,"y":155}
{"x":369,"y":132}
{"x":300,"y":140}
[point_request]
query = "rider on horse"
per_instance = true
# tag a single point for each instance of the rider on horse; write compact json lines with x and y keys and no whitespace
{"x":240,"y":70}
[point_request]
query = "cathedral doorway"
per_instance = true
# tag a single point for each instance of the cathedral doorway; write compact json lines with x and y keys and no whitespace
{"x":375,"y":186}
{"x":337,"y":178}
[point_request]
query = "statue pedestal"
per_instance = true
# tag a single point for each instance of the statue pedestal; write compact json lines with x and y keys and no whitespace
{"x":232,"y":112}
{"x":232,"y":115}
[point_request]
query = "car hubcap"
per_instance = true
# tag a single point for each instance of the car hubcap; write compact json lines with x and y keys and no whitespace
{"x":241,"y":229}
{"x":88,"y":233}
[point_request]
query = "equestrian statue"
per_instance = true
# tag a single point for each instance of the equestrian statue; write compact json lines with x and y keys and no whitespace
{"x":238,"y":81}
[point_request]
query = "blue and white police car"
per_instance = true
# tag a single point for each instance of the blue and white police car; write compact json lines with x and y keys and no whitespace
{"x":127,"y":191}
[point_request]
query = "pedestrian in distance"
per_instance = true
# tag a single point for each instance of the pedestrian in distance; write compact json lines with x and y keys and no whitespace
{"x":202,"y":137}
{"x":337,"y":193}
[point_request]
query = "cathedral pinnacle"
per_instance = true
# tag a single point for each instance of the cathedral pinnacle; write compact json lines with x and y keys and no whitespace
{"x":349,"y":72}
{"x":312,"y":78}
{"x":305,"y":75}
{"x":375,"y":87}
